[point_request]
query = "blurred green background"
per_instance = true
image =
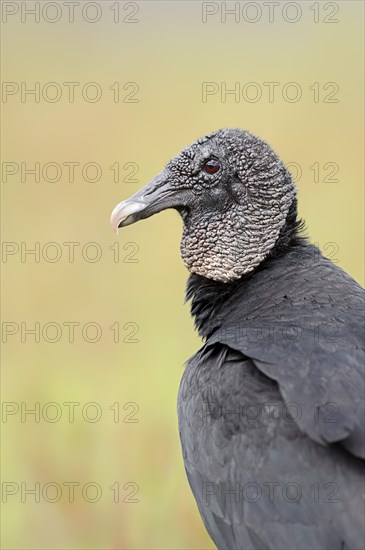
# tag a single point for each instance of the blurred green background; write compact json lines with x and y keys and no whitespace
{"x":169,"y":52}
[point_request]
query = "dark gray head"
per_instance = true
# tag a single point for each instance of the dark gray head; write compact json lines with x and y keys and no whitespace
{"x":234,"y":196}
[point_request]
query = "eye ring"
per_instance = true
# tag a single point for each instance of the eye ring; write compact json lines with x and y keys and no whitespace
{"x":211,"y":166}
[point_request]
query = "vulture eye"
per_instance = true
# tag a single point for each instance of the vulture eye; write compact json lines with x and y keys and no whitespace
{"x":211,"y":166}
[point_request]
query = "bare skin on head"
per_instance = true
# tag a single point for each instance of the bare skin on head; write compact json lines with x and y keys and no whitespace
{"x":234,"y":195}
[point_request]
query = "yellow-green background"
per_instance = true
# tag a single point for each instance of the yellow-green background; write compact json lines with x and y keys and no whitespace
{"x":169,"y":53}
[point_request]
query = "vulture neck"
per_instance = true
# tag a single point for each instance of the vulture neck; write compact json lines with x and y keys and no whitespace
{"x":207,"y":295}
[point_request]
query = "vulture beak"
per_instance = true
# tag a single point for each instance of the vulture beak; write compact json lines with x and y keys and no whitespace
{"x":156,"y":196}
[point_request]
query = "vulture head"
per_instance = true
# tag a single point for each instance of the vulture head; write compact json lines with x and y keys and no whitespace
{"x":235,"y":197}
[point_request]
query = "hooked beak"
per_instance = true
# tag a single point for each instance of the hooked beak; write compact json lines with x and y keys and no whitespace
{"x":156,"y":196}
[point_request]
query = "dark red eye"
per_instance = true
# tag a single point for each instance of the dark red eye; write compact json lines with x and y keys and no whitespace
{"x":211,"y":166}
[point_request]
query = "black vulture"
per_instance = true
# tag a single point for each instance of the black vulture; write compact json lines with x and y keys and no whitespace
{"x":271,"y":408}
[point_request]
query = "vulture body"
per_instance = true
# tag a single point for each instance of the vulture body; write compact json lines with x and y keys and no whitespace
{"x":271,"y":408}
{"x":280,"y":346}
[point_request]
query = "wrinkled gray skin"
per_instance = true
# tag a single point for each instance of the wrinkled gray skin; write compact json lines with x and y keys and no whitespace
{"x":238,"y":212}
{"x":271,"y":408}
{"x":232,"y":219}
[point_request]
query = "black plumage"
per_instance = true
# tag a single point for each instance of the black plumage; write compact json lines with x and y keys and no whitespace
{"x":271,"y":408}
{"x":279,"y":337}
